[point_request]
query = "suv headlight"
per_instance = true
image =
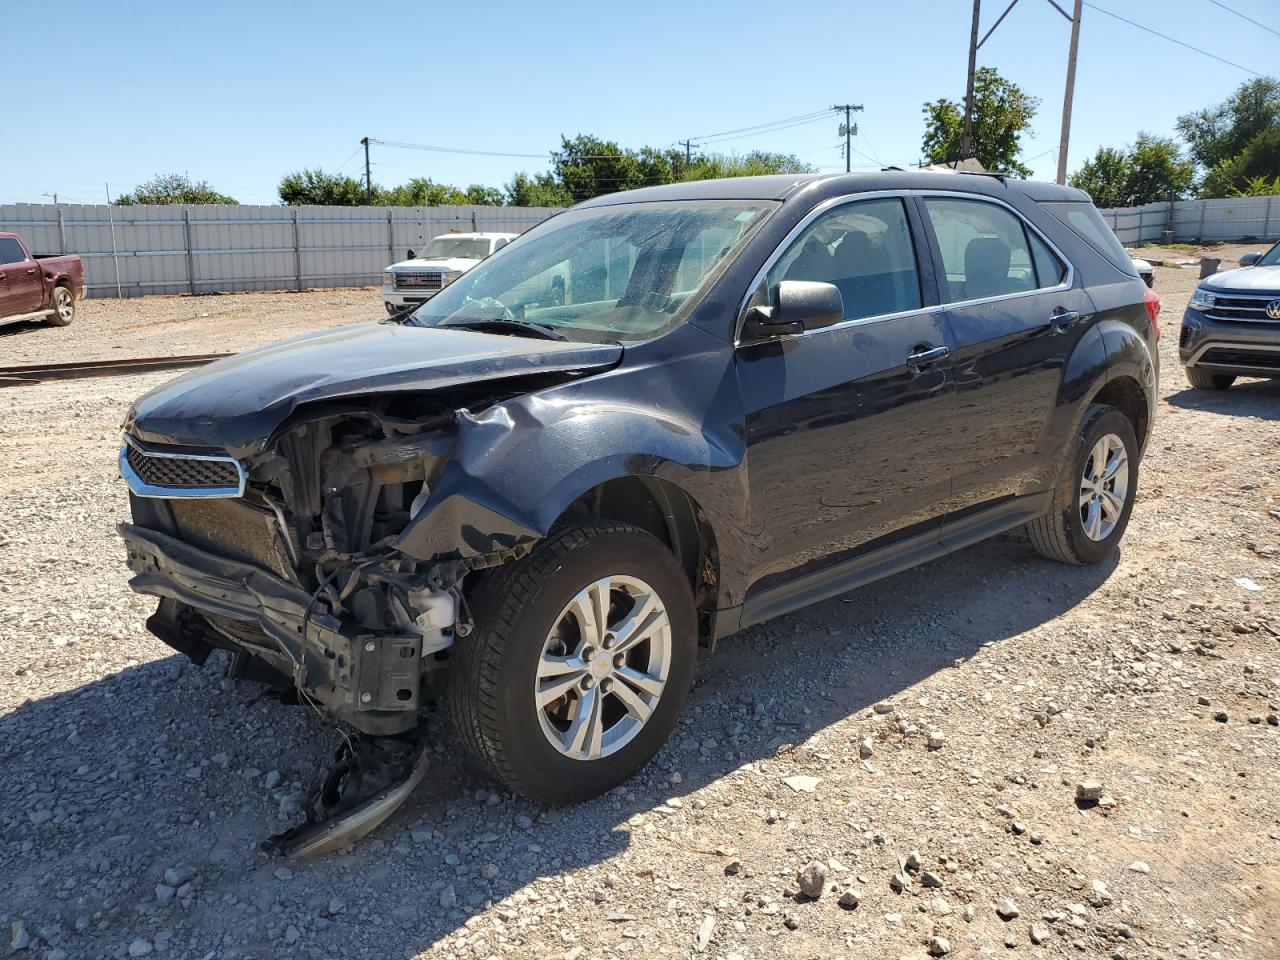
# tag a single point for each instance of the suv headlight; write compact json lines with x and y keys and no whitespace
{"x":1202,"y":299}
{"x":388,"y":279}
{"x":451,"y":276}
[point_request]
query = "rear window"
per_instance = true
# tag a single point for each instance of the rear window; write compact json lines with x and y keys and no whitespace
{"x":1084,"y":220}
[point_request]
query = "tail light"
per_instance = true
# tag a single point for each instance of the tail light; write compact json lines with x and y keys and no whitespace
{"x":1151,"y":300}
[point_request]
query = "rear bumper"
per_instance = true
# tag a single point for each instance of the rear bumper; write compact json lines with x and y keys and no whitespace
{"x":1245,"y":348}
{"x":370,"y":681}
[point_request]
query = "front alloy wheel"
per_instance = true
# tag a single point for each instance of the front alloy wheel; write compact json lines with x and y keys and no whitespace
{"x":580,"y":663}
{"x":604,"y":667}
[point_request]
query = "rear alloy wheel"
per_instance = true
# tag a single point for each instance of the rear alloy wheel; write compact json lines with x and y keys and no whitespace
{"x":1095,"y":494}
{"x":580,"y":664}
{"x":1204,"y":380}
{"x":64,"y":307}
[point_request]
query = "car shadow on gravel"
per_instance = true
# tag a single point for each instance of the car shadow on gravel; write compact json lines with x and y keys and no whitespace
{"x":21,"y":327}
{"x":165,"y":765}
{"x":1245,"y":398}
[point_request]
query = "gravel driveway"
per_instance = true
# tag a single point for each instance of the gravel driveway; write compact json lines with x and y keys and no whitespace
{"x":912,"y":753}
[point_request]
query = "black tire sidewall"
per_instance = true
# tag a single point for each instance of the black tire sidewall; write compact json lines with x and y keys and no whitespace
{"x":56,"y":318}
{"x":545,"y":771}
{"x":1098,"y":423}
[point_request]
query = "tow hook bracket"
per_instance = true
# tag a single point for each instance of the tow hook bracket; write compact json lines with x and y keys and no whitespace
{"x":370,"y":778}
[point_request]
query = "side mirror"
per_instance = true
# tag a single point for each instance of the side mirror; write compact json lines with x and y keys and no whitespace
{"x":798,"y":305}
{"x":1249,"y":259}
{"x":412,"y":256}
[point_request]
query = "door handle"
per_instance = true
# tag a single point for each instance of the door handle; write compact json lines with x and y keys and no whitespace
{"x":31,"y":271}
{"x":925,"y":355}
{"x":1064,"y":319}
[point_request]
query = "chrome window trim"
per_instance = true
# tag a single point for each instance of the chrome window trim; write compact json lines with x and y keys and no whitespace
{"x":143,"y":489}
{"x":831,"y":203}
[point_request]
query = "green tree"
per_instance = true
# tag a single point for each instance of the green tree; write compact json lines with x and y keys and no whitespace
{"x":1002,"y":114}
{"x":1253,"y":169}
{"x":1105,"y":177}
{"x":483,"y":196}
{"x":538,"y":190}
{"x":420,"y":192}
{"x":326,"y":189}
{"x":754,"y":164}
{"x":1159,"y":171}
{"x":1218,"y":133}
{"x":173,"y":188}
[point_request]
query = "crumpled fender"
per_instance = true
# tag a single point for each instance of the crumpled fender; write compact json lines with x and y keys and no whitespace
{"x":517,"y":466}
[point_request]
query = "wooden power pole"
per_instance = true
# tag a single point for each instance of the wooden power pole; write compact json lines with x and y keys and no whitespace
{"x":368,"y":174}
{"x":966,"y":135}
{"x":1070,"y":91}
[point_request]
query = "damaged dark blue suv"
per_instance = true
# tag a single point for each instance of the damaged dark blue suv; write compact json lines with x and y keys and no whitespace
{"x":653,"y":420}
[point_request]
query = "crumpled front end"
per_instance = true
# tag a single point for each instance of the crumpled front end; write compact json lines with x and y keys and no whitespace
{"x":294,"y":557}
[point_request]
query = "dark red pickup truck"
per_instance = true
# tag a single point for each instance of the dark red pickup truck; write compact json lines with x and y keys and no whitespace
{"x":37,"y":288}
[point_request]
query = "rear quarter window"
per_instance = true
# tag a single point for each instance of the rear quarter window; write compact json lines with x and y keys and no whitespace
{"x":1084,"y":220}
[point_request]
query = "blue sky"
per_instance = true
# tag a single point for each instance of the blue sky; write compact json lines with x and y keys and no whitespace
{"x":239,"y":93}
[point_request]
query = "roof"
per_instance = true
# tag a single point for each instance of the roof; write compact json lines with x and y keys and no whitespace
{"x":784,"y":186}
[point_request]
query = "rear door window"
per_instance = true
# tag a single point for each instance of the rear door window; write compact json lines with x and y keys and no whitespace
{"x":985,"y":250}
{"x":865,"y":249}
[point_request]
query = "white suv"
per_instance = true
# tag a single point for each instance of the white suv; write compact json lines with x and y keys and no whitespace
{"x":446,"y":258}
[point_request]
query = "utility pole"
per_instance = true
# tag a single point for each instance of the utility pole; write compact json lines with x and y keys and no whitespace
{"x":688,"y":151}
{"x":848,"y":129}
{"x":966,"y":135}
{"x":54,"y":195}
{"x":1070,"y":92}
{"x":368,"y":174}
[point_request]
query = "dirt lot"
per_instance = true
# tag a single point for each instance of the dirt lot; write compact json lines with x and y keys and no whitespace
{"x":136,"y":786}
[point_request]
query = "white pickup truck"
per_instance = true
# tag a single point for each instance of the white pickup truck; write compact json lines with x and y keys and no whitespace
{"x":446,"y":258}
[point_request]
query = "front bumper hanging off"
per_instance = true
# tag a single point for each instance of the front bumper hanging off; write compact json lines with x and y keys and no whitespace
{"x":368,"y":680}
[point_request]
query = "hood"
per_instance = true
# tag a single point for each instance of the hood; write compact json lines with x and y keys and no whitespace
{"x":236,"y":403}
{"x":436,"y":263}
{"x":1261,"y":279}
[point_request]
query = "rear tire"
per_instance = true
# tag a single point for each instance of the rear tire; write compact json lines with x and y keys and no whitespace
{"x":1204,"y":380}
{"x":1084,"y":525}
{"x":534,"y":621}
{"x":64,"y":307}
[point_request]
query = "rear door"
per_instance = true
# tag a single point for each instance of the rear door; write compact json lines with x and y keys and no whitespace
{"x":1016,"y":311}
{"x":21,"y":290}
{"x":847,"y":426}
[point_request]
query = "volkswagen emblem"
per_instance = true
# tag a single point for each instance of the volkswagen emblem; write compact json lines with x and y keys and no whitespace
{"x":1273,"y":309}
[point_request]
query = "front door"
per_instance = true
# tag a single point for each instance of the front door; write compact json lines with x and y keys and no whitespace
{"x":846,"y":427}
{"x":21,"y":290}
{"x":1016,"y":312}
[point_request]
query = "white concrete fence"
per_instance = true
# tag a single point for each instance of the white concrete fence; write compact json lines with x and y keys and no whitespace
{"x":206,"y":248}
{"x":1232,"y":218}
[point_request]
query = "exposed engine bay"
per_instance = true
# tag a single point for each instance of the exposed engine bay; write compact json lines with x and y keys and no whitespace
{"x":310,"y":570}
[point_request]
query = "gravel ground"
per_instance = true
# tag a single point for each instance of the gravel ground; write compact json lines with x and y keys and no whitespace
{"x":910,"y":753}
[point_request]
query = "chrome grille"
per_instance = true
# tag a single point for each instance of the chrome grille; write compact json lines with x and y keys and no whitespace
{"x":1247,"y":307}
{"x":419,"y":281}
{"x":158,"y":473}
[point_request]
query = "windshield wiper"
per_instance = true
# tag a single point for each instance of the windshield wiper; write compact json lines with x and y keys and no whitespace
{"x":500,"y":324}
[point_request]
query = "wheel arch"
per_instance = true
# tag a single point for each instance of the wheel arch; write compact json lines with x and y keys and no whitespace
{"x":672,"y":515}
{"x":1127,"y":395}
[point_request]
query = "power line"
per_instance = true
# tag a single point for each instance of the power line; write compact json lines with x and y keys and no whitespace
{"x":1165,"y":36}
{"x":803,"y":116}
{"x":760,"y":133}
{"x":1216,"y":3}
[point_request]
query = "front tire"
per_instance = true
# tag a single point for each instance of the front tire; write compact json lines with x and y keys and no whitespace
{"x":1094,"y":496}
{"x":64,"y":307}
{"x":555,"y":703}
{"x":1204,"y":380}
